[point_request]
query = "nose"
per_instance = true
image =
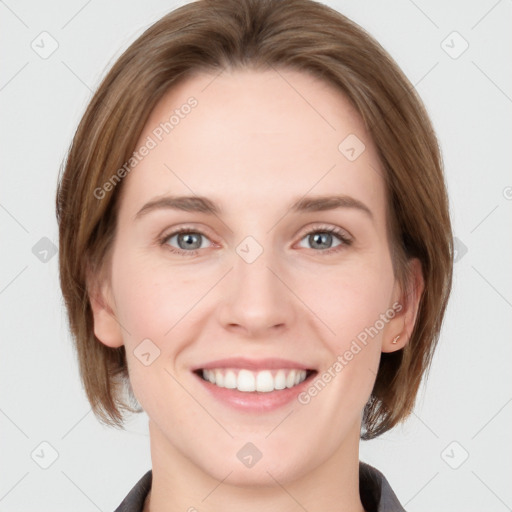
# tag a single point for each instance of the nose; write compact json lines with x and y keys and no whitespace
{"x":256,"y":300}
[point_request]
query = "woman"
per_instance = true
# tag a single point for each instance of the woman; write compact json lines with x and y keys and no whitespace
{"x":255,"y":246}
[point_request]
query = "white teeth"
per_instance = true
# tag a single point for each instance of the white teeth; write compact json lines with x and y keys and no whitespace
{"x":230,"y":380}
{"x":219,"y":378}
{"x":264,"y":382}
{"x":248,"y":381}
{"x":290,"y":379}
{"x":280,"y":380}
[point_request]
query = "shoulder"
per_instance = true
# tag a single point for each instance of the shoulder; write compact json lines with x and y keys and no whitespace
{"x":375,"y":491}
{"x":134,"y":500}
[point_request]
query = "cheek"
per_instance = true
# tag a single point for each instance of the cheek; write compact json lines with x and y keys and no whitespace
{"x":350,"y":298}
{"x":151,"y":298}
{"x":152,"y":302}
{"x":351,"y":305}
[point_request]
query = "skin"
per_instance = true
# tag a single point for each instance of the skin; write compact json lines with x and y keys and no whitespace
{"x":253,"y":145}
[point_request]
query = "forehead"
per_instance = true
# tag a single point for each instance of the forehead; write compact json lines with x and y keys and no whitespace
{"x":252,"y":138}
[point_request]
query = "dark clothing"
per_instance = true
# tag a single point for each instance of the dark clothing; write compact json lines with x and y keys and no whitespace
{"x":375,"y":491}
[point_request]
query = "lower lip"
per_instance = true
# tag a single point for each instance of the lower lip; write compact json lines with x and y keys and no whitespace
{"x":256,"y":401}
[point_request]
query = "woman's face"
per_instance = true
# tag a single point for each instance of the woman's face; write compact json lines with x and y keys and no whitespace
{"x":282,"y":271}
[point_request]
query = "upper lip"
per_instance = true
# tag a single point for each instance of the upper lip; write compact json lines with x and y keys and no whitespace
{"x":253,"y":364}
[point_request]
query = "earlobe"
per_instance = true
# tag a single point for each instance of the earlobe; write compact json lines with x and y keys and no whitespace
{"x":403,"y":324}
{"x":106,"y":326}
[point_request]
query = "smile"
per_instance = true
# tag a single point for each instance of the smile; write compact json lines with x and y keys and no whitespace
{"x":247,"y":381}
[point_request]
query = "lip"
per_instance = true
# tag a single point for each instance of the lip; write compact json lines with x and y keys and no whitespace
{"x":253,"y":364}
{"x":256,"y":401}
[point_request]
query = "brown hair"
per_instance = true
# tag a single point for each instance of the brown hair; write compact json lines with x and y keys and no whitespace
{"x":303,"y":35}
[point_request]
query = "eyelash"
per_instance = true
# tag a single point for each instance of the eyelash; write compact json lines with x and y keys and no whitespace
{"x":340,"y":234}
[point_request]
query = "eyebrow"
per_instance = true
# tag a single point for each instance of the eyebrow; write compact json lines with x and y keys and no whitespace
{"x":202,"y":204}
{"x":183,"y":203}
{"x":322,"y":203}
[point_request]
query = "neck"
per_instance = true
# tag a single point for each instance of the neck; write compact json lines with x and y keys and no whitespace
{"x":180,"y":485}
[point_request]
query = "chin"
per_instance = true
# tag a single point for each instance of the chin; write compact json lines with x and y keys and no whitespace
{"x":257,"y":464}
{"x":262,"y":475}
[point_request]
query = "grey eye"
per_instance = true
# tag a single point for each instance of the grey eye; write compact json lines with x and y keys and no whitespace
{"x":188,"y":240}
{"x":321,"y":240}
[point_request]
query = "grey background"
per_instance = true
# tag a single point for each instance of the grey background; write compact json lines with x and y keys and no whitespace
{"x":465,"y":406}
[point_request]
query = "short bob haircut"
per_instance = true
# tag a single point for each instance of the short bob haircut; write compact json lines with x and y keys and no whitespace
{"x":216,"y":35}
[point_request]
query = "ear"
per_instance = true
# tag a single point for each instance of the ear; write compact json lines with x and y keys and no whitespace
{"x":407,"y":304}
{"x":106,"y":326}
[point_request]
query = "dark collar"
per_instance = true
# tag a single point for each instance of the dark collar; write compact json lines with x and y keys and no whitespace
{"x":375,"y":491}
